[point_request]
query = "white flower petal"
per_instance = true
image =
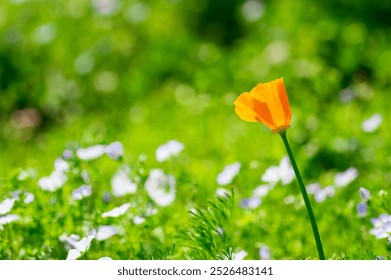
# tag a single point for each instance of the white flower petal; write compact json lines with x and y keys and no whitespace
{"x":82,"y":192}
{"x":371,"y":124}
{"x":313,"y":188}
{"x":9,"y":218}
{"x":29,"y":197}
{"x":105,"y":232}
{"x":229,"y":172}
{"x":137,"y":220}
{"x":387,"y":227}
{"x":61,"y":165}
{"x":73,"y":254}
{"x":365,"y":194}
{"x":169,"y":149}
{"x":271,"y":175}
{"x":115,"y":150}
{"x":261,"y":190}
{"x":54,"y":182}
{"x":118,"y":211}
{"x":6,"y":205}
{"x":83,"y":244}
{"x":90,"y":153}
{"x":251,"y":203}
{"x":161,"y":188}
{"x":264,"y":253}
{"x":343,"y":179}
{"x":121,"y":184}
{"x":240,"y":255}
{"x":362,"y":209}
{"x":286,"y":171}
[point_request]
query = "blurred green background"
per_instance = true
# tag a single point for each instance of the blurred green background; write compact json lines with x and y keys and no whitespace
{"x":145,"y":72}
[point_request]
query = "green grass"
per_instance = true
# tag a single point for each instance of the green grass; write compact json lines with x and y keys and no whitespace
{"x":175,"y":75}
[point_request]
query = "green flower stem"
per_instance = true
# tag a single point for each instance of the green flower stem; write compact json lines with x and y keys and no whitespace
{"x":305,"y":196}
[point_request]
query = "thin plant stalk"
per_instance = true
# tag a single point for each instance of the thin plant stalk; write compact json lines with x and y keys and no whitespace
{"x":305,"y":197}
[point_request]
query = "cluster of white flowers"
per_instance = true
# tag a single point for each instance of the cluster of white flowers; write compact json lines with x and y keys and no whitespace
{"x":381,"y":227}
{"x":282,"y":173}
{"x":114,"y":150}
{"x":341,"y":179}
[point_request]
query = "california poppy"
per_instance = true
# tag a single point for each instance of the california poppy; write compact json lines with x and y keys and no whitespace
{"x":267,"y":103}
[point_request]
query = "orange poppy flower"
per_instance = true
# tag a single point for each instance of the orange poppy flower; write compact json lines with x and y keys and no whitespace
{"x":267,"y":103}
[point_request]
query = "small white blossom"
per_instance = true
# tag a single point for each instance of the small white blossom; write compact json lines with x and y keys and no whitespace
{"x":61,"y":165}
{"x":115,"y":150}
{"x":264,"y":253}
{"x":29,"y":197}
{"x":54,"y":182}
{"x":365,"y":194}
{"x":161,"y":188}
{"x":82,"y":192}
{"x":138,"y":220}
{"x":121,"y":184}
{"x":90,"y":153}
{"x":381,"y":226}
{"x":251,"y":203}
{"x":229,"y":172}
{"x":6,"y":205}
{"x":169,"y":149}
{"x":105,"y":232}
{"x":362,"y":209}
{"x":7,"y":219}
{"x":240,"y":255}
{"x":118,"y":211}
{"x":343,"y":179}
{"x":261,"y":190}
{"x":372,"y":123}
{"x":73,"y":254}
{"x":283,"y":173}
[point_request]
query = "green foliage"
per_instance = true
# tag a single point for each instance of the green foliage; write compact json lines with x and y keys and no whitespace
{"x":75,"y":74}
{"x":207,"y":237}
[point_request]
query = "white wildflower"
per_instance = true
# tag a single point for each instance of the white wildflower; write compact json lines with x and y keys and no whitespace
{"x":29,"y":197}
{"x":9,"y":218}
{"x":121,"y":184}
{"x":92,"y":152}
{"x":229,"y":172}
{"x":138,"y":220}
{"x":372,"y":123}
{"x":365,"y":194}
{"x":251,"y":203}
{"x":54,"y":182}
{"x":82,"y":192}
{"x":261,"y":190}
{"x":264,"y":253}
{"x":161,"y":187}
{"x":343,"y":179}
{"x":169,"y":149}
{"x":61,"y":165}
{"x":240,"y":255}
{"x":6,"y":205}
{"x":73,"y":255}
{"x":118,"y":211}
{"x":115,"y":150}
{"x":362,"y":209}
{"x":283,"y":173}
{"x":105,"y":232}
{"x":381,"y":226}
